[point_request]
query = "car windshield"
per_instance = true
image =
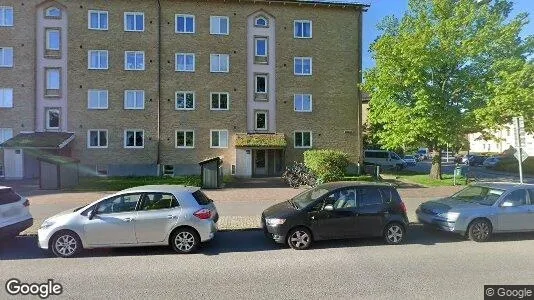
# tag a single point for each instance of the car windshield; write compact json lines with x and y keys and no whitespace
{"x":479,"y":194}
{"x":308,"y":197}
{"x":394,"y":155}
{"x":408,"y":157}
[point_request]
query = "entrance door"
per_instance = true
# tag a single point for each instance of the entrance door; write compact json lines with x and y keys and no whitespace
{"x":260,"y":163}
{"x":13,"y":159}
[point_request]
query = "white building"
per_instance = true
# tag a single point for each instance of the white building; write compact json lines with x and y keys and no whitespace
{"x":504,"y":139}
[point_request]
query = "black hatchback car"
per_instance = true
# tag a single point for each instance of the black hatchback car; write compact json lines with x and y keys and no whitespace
{"x":337,"y":210}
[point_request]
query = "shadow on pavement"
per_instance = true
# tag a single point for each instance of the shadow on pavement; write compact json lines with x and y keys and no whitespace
{"x":261,"y":182}
{"x":25,"y":247}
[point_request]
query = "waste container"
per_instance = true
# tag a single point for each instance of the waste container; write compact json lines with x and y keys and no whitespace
{"x":460,"y":171}
{"x":211,"y":173}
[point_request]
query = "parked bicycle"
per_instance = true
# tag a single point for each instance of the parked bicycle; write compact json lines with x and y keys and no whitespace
{"x":298,"y":174}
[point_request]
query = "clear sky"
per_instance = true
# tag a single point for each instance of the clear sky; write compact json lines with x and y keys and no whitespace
{"x":381,"y":8}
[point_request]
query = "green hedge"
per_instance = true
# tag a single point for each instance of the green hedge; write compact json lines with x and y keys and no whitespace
{"x":510,"y":164}
{"x":328,"y":165}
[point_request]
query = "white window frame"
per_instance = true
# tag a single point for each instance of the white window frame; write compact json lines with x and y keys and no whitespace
{"x":99,"y":13}
{"x":176,"y":16}
{"x":3,"y":102}
{"x":47,"y":38}
{"x":135,"y":131}
{"x":256,"y":76}
{"x":4,"y":10}
{"x":176,"y":66}
{"x":261,"y":26}
{"x":126,"y":99}
{"x":266,"y":113}
{"x":219,"y":133}
{"x":3,"y":135}
{"x":219,"y":98}
{"x":47,"y":82}
{"x":184,"y":146}
{"x":98,"y":140}
{"x":3,"y":50}
{"x":219,"y":56}
{"x":47,"y":120}
{"x":303,"y":59}
{"x":218,"y":19}
{"x":295,"y":102}
{"x":99,"y":99}
{"x":256,"y":39}
{"x":302,"y":22}
{"x":135,"y":53}
{"x":100,"y":52}
{"x":295,"y":139}
{"x":135,"y":14}
{"x":184,"y":93}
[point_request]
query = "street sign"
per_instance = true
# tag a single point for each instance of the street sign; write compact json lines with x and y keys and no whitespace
{"x":521,"y":157}
{"x":519,"y":132}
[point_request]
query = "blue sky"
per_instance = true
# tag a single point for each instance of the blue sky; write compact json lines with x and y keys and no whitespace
{"x":381,"y":8}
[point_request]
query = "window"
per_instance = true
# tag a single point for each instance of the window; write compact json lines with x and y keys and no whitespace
{"x":185,"y":62}
{"x":303,"y":102}
{"x":219,"y":25}
{"x":185,"y":100}
{"x":118,"y":204}
{"x":6,"y":57}
{"x":303,"y":29}
{"x":530,"y":193}
{"x":52,"y":118}
{"x":261,"y":84}
{"x":97,"y":99}
{"x":185,"y":24}
{"x":168,"y":170}
{"x":53,"y":82}
{"x":5,"y":134}
{"x":201,"y":198}
{"x":260,"y":48}
{"x":185,"y":139}
{"x":219,"y":138}
{"x":53,"y":39}
{"x":98,"y":20}
{"x":97,"y":59}
{"x":261,"y":120}
{"x":97,"y":138}
{"x":6,"y":16}
{"x":134,"y":99}
{"x":261,"y":22}
{"x":517,"y":197}
{"x":134,"y":138}
{"x":134,"y":21}
{"x":219,"y":63}
{"x":219,"y":101}
{"x":303,"y":139}
{"x":303,"y":66}
{"x":6,"y":97}
{"x":53,"y":12}
{"x":134,"y":60}
{"x":369,"y":196}
{"x":343,"y":199}
{"x":156,"y":201}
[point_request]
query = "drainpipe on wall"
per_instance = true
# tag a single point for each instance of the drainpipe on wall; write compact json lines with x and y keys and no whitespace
{"x":359,"y":79}
{"x":158,"y":136}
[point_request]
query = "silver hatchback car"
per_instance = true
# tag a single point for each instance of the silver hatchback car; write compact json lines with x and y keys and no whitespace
{"x":179,"y":216}
{"x":482,"y":209}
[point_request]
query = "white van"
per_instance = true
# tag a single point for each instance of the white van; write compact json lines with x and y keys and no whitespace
{"x":386,"y":159}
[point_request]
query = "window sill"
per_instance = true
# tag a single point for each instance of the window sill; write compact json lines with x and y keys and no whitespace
{"x":52,"y":54}
{"x":264,"y":97}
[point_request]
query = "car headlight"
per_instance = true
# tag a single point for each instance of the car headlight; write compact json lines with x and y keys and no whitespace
{"x":450,"y":216}
{"x":274,"y":222}
{"x":47,"y":223}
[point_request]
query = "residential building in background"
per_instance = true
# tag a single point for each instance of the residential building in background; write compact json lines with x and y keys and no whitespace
{"x":504,"y":140}
{"x":143,"y":87}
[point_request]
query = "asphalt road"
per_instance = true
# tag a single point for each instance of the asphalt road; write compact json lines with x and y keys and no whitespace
{"x":244,"y":265}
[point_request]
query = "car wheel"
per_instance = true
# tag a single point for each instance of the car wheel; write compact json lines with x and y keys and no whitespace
{"x":394,"y":233}
{"x":479,"y":230}
{"x":299,"y":238}
{"x":66,"y":244}
{"x":185,"y":241}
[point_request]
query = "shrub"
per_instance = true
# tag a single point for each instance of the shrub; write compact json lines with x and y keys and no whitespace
{"x":328,"y":165}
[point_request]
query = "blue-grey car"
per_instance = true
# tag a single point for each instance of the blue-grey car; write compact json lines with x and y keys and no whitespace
{"x":482,"y":209}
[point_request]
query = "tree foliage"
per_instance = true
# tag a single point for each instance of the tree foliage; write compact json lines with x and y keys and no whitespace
{"x":448,"y":68}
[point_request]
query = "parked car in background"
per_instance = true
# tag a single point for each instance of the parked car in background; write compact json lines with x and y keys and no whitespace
{"x":424,"y":153}
{"x":473,"y":160}
{"x":482,"y":209}
{"x":383,"y":158}
{"x":179,"y":216}
{"x":337,"y":210}
{"x":15,"y":214}
{"x":410,"y":160}
{"x":491,"y":161}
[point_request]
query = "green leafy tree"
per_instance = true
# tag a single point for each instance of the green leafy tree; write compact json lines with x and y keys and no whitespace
{"x":446,"y":69}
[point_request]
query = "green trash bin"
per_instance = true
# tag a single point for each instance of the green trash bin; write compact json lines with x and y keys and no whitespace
{"x":460,"y":171}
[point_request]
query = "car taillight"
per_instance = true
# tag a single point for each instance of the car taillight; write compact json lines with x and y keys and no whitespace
{"x":26,"y":203}
{"x":403,"y":207}
{"x":203,"y":214}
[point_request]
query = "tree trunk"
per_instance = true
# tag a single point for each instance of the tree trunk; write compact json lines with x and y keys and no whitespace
{"x":435,"y":170}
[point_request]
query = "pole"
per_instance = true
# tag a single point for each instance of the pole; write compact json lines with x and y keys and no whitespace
{"x":519,"y":148}
{"x":520,"y":165}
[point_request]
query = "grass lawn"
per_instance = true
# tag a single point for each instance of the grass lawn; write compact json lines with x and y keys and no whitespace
{"x":423,"y":178}
{"x":121,"y":183}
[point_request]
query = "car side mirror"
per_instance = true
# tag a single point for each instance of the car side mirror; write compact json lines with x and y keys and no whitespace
{"x":507,"y":204}
{"x":328,"y":207}
{"x":91,"y":215}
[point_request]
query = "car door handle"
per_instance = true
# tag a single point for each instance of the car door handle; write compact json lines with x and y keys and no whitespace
{"x":128,"y":219}
{"x":171,"y":217}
